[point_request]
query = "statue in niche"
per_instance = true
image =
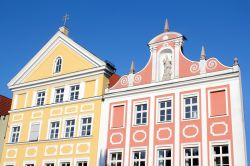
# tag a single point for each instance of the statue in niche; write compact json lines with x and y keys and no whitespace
{"x":167,"y":69}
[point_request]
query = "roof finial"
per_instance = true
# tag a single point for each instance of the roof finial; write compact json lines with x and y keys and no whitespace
{"x":236,"y":61}
{"x":132,"y":68}
{"x":166,"y":28}
{"x":203,"y":54}
{"x":64,"y":28}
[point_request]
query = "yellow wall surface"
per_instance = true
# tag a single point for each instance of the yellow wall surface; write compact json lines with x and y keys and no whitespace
{"x":24,"y":112}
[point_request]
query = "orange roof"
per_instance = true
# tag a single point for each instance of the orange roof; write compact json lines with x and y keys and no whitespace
{"x":5,"y":104}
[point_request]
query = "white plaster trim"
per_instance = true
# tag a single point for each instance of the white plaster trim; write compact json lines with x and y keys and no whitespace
{"x":50,"y":146}
{"x":92,"y":107}
{"x":188,"y":127}
{"x":11,"y":157}
{"x":33,"y":116}
{"x":164,"y":129}
{"x":218,"y":123}
{"x":17,"y":115}
{"x":70,"y":107}
{"x":139,"y":140}
{"x":159,"y":147}
{"x":54,"y":110}
{"x":85,"y":143}
{"x":29,"y":148}
{"x":66,"y":145}
{"x":190,"y":94}
{"x":114,"y":134}
{"x":118,"y":150}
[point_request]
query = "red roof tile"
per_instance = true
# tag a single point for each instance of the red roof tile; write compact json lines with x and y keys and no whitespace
{"x":5,"y":104}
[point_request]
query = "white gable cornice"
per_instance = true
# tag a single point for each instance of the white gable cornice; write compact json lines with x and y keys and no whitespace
{"x":58,"y":38}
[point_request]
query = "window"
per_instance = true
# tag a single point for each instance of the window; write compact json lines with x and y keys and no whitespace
{"x":65,"y":164}
{"x":58,"y":65}
{"x":54,"y":130}
{"x":59,"y":93}
{"x":29,"y":164}
{"x":115,"y":159}
{"x":221,"y":155}
{"x":69,"y":128}
{"x":139,"y":158}
{"x":74,"y":92}
{"x":49,"y":164}
{"x":190,"y":107}
{"x":86,"y":126}
{"x":141,"y":114}
{"x":40,"y":98}
{"x":82,"y":163}
{"x":164,"y":157}
{"x":165,"y":111}
{"x":34,"y":132}
{"x":15,"y":134}
{"x":191,"y":156}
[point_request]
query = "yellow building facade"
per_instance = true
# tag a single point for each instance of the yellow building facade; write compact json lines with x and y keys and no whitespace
{"x":56,"y":107}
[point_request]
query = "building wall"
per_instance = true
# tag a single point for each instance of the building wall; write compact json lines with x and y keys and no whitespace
{"x":3,"y":123}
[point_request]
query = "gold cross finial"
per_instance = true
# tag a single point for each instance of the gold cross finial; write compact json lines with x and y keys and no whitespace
{"x":65,"y":18}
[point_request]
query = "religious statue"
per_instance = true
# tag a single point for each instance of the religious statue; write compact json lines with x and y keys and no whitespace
{"x":167,"y":69}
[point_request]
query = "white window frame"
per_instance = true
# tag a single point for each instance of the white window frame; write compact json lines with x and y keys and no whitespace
{"x":37,"y":97}
{"x":11,"y":132}
{"x":220,"y":143}
{"x":159,"y":100}
{"x":80,"y":125}
{"x":29,"y":162}
{"x":137,"y":150}
{"x":59,"y":94}
{"x":55,"y":65}
{"x":163,"y":147}
{"x":115,"y":151}
{"x":60,"y":161}
{"x":40,"y":125}
{"x":64,"y":127}
{"x":49,"y":162}
{"x":10,"y":163}
{"x":49,"y":127}
{"x":188,"y":95}
{"x":75,"y":91}
{"x":77,"y":160}
{"x":135,"y":112}
{"x":191,"y":145}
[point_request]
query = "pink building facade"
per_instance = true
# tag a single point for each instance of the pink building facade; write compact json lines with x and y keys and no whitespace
{"x":175,"y":111}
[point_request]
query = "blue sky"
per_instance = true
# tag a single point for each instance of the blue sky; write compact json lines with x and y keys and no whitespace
{"x":120,"y":30}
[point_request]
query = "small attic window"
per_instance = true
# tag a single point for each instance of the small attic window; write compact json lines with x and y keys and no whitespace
{"x":58,"y":65}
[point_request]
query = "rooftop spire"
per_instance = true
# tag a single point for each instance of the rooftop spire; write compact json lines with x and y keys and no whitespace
{"x":132,"y":68}
{"x":166,"y":28}
{"x":64,"y":28}
{"x":203,"y":54}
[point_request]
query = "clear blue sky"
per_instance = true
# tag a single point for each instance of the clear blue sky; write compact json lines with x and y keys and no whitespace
{"x":120,"y":30}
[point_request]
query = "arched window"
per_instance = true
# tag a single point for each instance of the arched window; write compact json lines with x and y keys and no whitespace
{"x":58,"y":65}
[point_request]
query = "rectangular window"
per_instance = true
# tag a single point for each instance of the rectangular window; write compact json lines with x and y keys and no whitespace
{"x":86,"y":126}
{"x":218,"y":104}
{"x":82,"y":163}
{"x":34,"y":132}
{"x":221,"y":155}
{"x":40,"y":98}
{"x":117,"y":116}
{"x":69,"y":128}
{"x":164,"y":157}
{"x":65,"y":164}
{"x":15,"y":133}
{"x":29,"y":164}
{"x":54,"y":130}
{"x":191,"y":156}
{"x":115,"y":159}
{"x":74,"y":92}
{"x":49,"y":164}
{"x":139,"y":158}
{"x":141,"y":112}
{"x":59,"y":94}
{"x":191,"y":107}
{"x":165,"y":111}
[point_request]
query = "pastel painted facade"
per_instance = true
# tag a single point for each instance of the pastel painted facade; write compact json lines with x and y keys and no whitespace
{"x":175,"y":111}
{"x":56,"y":108}
{"x":5,"y":104}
